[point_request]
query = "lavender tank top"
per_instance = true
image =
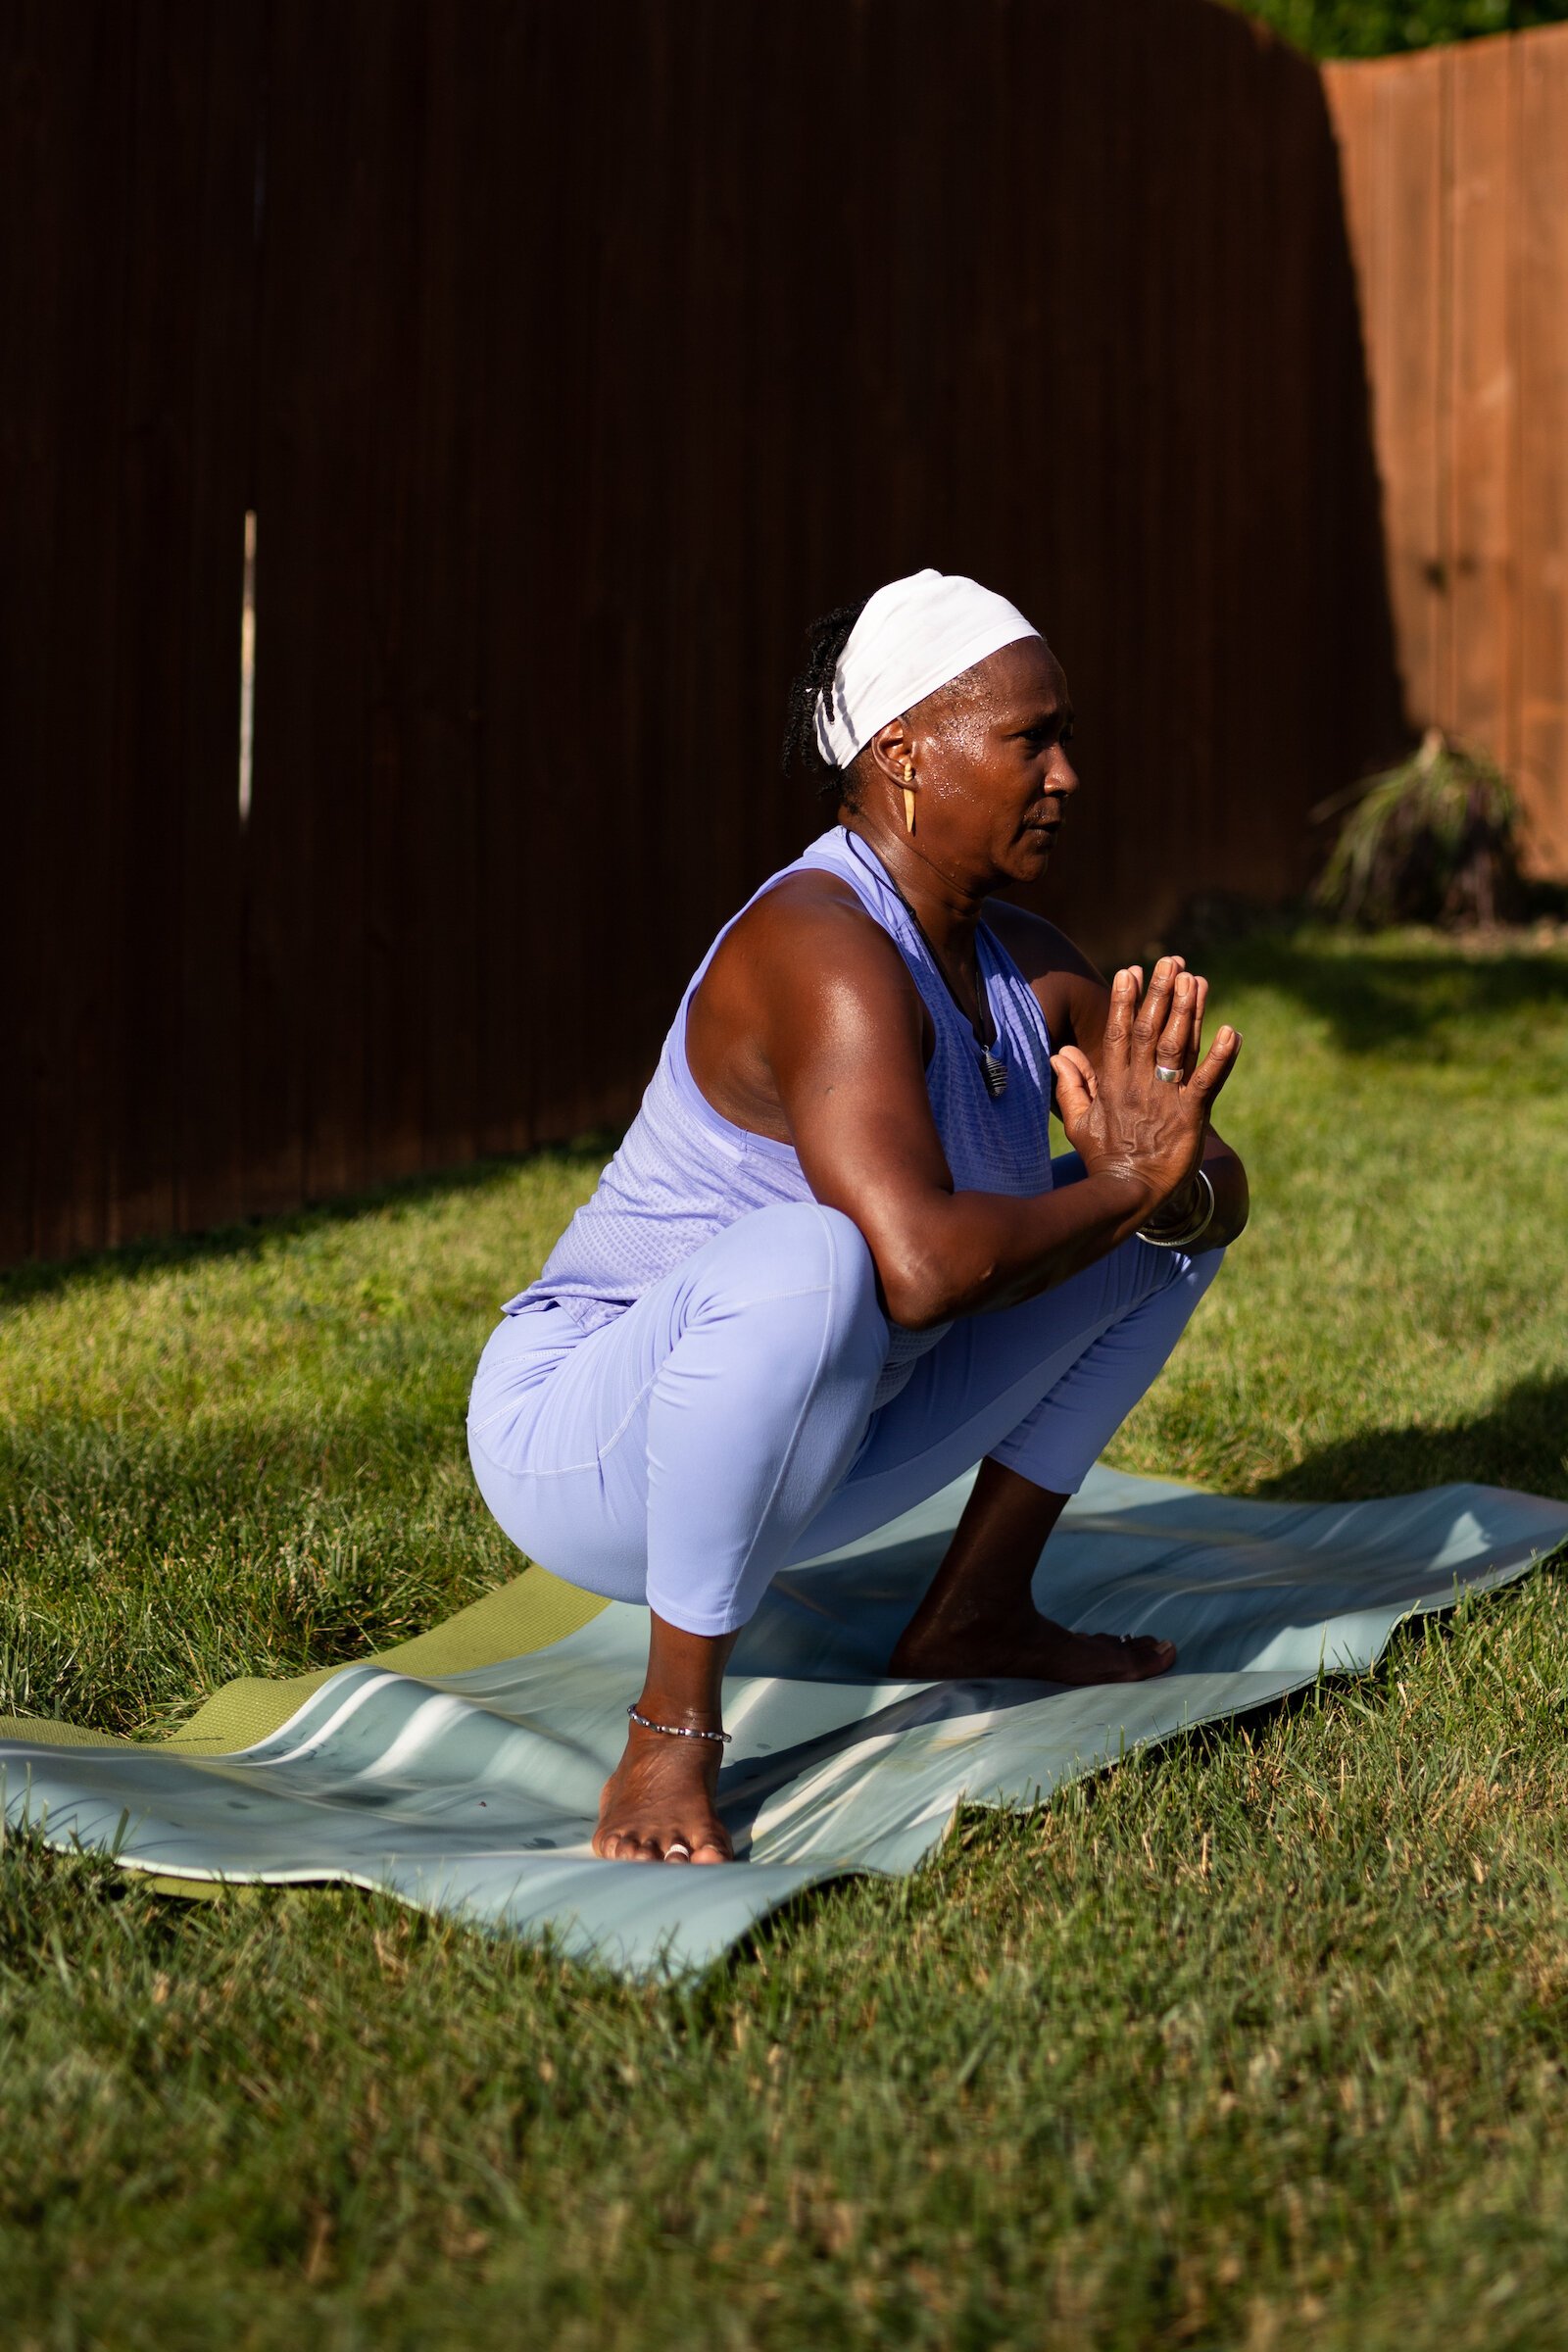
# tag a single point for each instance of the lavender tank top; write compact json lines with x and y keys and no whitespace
{"x":683,"y":1172}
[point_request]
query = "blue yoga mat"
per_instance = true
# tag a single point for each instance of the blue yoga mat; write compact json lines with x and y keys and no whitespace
{"x":474,"y":1792}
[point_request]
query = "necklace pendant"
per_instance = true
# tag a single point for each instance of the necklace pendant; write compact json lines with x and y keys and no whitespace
{"x":993,"y":1072}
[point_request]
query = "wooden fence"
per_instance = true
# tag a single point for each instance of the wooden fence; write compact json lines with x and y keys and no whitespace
{"x":1457,"y":190}
{"x":569,"y":358}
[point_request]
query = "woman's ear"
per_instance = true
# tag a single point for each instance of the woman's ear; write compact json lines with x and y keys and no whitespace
{"x":890,"y":747}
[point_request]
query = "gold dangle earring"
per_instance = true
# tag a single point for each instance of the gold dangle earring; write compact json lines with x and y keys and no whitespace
{"x":908,"y":795}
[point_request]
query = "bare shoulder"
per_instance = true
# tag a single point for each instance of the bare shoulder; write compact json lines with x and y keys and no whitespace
{"x":807,"y":934}
{"x":1071,"y":991}
{"x":803,"y":983}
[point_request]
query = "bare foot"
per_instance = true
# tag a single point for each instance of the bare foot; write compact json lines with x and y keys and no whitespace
{"x":1031,"y":1649}
{"x":658,"y":1804}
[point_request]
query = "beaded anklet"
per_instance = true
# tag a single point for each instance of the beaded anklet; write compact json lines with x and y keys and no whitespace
{"x":677,"y":1731}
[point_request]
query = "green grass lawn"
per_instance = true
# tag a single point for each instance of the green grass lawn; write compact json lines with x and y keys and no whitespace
{"x":1259,"y":2042}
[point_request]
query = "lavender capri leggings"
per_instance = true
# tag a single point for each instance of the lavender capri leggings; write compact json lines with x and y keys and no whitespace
{"x":722,"y":1426}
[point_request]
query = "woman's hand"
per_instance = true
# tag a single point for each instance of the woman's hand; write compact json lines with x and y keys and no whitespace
{"x":1121,"y":1119}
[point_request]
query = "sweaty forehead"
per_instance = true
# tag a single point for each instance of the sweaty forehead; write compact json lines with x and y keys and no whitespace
{"x":1012,"y":686}
{"x":1022,"y":679}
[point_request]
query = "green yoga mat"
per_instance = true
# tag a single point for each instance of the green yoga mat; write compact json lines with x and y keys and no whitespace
{"x":462,"y":1770}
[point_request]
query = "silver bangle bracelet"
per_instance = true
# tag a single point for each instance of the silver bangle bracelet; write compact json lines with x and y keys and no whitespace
{"x":678,"y":1731}
{"x":1195,"y":1232}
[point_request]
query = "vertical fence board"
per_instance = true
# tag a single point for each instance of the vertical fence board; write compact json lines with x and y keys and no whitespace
{"x":1247,"y":330}
{"x":380,"y":802}
{"x":1366,"y":706}
{"x":439,"y":578}
{"x":343,"y":130}
{"x":1093,"y":397}
{"x":634,"y":638}
{"x":1054,"y":247}
{"x":154,"y":640}
{"x":279,"y":841}
{"x":1209,"y":252}
{"x":547,"y":763}
{"x":524,"y":133}
{"x":73,"y":78}
{"x":46,"y":127}
{"x":690,"y":466}
{"x":1390,"y":118}
{"x":1540,"y":222}
{"x":1482,"y":399}
{"x":1143,"y":458}
{"x":211,"y":1077}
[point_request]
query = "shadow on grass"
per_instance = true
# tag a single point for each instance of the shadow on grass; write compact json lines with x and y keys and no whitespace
{"x":44,"y":1277}
{"x":1520,"y":1440}
{"x":982,"y":1832}
{"x":1374,"y":1000}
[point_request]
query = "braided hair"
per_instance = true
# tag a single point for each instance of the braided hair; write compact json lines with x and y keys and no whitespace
{"x":825,"y":641}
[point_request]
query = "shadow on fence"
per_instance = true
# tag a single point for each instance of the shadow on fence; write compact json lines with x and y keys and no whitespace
{"x":569,"y":359}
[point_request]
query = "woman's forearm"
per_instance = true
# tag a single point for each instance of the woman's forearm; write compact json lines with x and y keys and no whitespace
{"x":968,"y":1254}
{"x":941,"y":1253}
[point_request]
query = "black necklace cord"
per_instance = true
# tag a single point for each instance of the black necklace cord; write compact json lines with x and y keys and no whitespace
{"x":985,"y":1044}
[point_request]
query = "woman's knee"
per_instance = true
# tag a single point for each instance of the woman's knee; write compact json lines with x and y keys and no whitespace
{"x":801,"y":1282}
{"x":796,"y":1247}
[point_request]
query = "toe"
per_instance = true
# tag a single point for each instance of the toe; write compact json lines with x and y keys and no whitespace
{"x":625,"y":1845}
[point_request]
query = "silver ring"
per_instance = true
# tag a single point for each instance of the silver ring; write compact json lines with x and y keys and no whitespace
{"x":670,"y":1851}
{"x":1170,"y":1077}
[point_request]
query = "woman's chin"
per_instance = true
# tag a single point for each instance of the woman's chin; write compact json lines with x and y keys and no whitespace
{"x":1032,"y":856}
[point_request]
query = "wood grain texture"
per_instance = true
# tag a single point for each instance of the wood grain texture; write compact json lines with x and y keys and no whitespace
{"x":1483,"y":394}
{"x":1541,"y":479}
{"x":1457,"y":207}
{"x":210,"y":1089}
{"x":71,"y":79}
{"x":1390,"y":118}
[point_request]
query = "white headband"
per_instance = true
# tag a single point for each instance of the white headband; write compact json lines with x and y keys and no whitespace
{"x":911,"y":637}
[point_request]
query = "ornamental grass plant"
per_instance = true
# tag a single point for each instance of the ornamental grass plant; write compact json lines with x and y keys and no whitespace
{"x":1435,"y":840}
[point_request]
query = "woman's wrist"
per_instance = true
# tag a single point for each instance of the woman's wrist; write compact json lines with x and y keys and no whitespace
{"x":1178,"y":1211}
{"x":1125,"y":1197}
{"x":1187,"y":1234}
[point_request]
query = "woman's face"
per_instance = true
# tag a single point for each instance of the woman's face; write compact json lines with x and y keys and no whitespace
{"x":992,"y":771}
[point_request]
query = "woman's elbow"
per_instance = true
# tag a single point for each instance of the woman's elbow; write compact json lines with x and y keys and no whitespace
{"x":919,"y":1291}
{"x":1232,"y":1202}
{"x":918,"y":1309}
